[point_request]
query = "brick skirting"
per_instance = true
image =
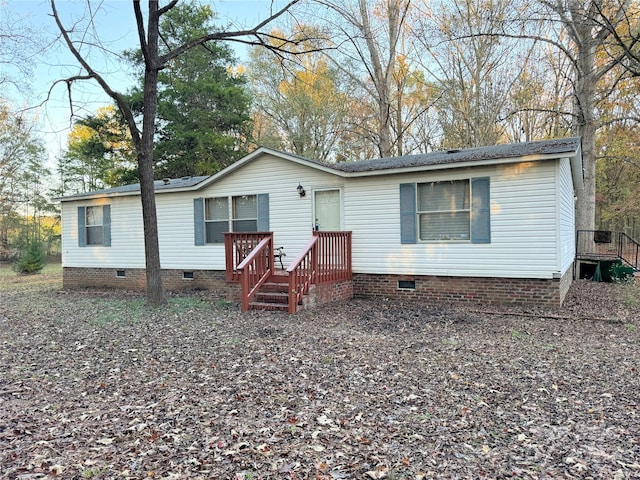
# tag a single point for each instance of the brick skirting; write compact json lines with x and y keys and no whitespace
{"x":135,"y":279}
{"x":492,"y":291}
{"x":320,"y":294}
{"x":477,"y":290}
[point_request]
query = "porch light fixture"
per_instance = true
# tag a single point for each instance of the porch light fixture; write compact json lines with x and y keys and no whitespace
{"x":301,"y":191}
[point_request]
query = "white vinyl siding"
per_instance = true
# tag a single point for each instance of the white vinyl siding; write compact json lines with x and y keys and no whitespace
{"x":523,"y":226}
{"x":290,"y":216}
{"x":526,"y":200}
{"x":566,"y":217}
{"x":127,"y":239}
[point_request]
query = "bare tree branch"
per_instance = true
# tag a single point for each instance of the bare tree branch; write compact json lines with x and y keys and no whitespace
{"x":92,"y":74}
{"x":233,"y":36}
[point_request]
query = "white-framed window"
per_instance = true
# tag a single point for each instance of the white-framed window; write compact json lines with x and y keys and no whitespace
{"x":230,"y":214}
{"x":444,"y":211}
{"x":94,"y":224}
{"x":244,"y":214}
{"x":216,"y":219}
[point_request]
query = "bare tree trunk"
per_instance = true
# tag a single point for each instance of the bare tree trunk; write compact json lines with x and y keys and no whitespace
{"x":587,"y":28}
{"x":381,"y":74}
{"x":585,"y":127}
{"x":367,"y":22}
{"x":155,"y":292}
{"x":143,"y":140}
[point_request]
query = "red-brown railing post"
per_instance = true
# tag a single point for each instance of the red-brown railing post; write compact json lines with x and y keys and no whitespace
{"x":228,"y":256}
{"x":256,"y":269}
{"x":315,"y":252}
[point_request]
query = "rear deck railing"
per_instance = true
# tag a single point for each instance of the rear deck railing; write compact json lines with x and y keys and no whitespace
{"x":606,"y":244}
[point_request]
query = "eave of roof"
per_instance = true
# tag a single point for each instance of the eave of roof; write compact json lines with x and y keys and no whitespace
{"x":160,"y":186}
{"x":470,"y":157}
{"x":529,"y":151}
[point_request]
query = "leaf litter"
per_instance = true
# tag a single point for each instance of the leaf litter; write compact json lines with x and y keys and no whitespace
{"x":92,"y":385}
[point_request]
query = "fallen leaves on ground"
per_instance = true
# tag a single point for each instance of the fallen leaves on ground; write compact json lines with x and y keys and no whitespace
{"x":92,"y":385}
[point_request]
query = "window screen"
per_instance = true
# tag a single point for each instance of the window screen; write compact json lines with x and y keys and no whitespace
{"x":216,"y":219}
{"x":245,"y":213}
{"x":444,"y":211}
{"x":94,"y":225}
{"x":243,"y":216}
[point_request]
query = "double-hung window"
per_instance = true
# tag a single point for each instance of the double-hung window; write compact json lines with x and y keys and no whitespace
{"x":230,"y":214}
{"x":216,"y":219}
{"x":444,"y":211}
{"x":94,"y":225}
{"x":245,"y":214}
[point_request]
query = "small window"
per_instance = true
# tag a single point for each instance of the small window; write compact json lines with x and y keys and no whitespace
{"x":406,"y":284}
{"x":187,"y":275}
{"x":94,"y":225}
{"x":444,"y":211}
{"x":120,"y":273}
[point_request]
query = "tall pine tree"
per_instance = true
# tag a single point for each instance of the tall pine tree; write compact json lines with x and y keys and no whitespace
{"x":203,"y":106}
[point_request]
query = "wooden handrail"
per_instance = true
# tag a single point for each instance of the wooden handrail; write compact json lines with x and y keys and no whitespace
{"x":302,"y":273}
{"x":334,"y":256}
{"x":237,"y":245}
{"x":302,"y":254}
{"x":256,"y":269}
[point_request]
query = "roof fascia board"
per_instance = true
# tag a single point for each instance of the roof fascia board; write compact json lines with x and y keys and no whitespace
{"x":257,"y":153}
{"x":133,"y":193}
{"x":214,"y":178}
{"x":577,"y":169}
{"x":574,"y":157}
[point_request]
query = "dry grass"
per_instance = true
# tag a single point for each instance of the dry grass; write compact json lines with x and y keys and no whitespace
{"x":50,"y":278}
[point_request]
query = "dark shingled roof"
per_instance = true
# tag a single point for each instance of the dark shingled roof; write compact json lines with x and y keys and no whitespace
{"x":480,"y":154}
{"x":159,"y":185}
{"x":515,"y":150}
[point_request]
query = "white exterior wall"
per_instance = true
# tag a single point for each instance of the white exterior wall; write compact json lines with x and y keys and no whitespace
{"x":127,"y":239}
{"x":290,"y":216}
{"x":523,"y":226}
{"x":566,"y":217}
{"x":531,"y":208}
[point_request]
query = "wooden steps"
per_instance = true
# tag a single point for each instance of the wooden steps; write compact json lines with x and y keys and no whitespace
{"x":273,"y":295}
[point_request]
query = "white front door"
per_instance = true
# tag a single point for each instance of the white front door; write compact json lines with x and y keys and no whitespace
{"x":327,"y":210}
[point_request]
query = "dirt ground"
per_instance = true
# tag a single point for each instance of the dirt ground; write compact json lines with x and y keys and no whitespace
{"x":95,"y":385}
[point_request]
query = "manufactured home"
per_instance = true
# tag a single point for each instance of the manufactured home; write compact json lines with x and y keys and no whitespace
{"x":484,"y":225}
